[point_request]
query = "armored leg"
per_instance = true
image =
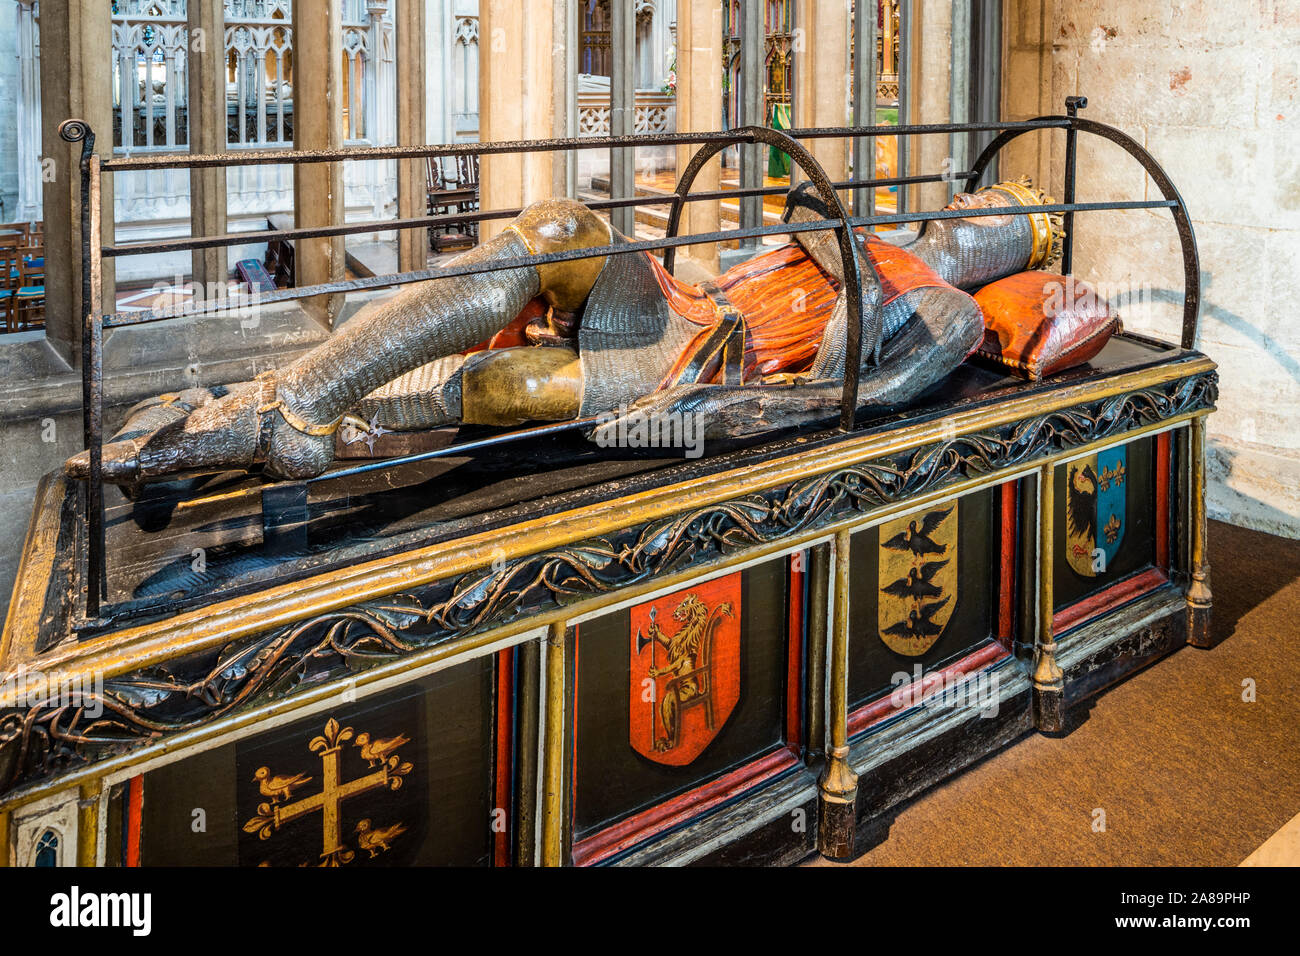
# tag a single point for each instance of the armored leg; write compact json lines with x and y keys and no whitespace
{"x":287,"y":418}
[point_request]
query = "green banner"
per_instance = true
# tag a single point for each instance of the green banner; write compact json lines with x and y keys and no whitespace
{"x":778,"y":163}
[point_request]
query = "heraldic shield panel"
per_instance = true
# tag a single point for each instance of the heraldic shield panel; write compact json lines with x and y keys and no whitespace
{"x":398,"y":779}
{"x":923,"y":593}
{"x":675,"y":692}
{"x":1105,"y":519}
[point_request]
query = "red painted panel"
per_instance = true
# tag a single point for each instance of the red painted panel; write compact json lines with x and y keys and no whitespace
{"x":134,"y":809}
{"x":1007,"y":566}
{"x":1108,"y":599}
{"x":1162,"y":500}
{"x":904,"y":698}
{"x":798,"y":564}
{"x":505,"y":724}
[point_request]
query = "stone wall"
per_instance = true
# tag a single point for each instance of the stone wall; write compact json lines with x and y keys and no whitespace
{"x":1211,"y":89}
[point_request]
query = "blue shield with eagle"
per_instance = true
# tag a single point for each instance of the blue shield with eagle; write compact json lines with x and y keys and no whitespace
{"x":1096,"y":489}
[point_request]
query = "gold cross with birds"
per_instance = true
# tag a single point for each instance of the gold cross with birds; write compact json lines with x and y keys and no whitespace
{"x":387,"y":770}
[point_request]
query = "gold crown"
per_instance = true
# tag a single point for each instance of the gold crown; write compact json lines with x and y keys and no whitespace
{"x":1048,"y":228}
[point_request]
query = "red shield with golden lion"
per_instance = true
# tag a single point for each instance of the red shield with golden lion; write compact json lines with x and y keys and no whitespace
{"x":685,"y":670}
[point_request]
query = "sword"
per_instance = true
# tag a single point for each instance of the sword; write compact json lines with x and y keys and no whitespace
{"x":641,"y":641}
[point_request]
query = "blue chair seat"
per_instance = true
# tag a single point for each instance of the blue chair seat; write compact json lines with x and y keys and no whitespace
{"x":31,"y":262}
{"x":32,"y":292}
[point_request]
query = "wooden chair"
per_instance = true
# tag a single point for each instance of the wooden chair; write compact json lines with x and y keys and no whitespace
{"x":9,"y":275}
{"x":433,"y":177}
{"x":444,"y":201}
{"x":29,"y":297}
{"x":466,"y":171}
{"x":467,"y":178}
{"x":34,"y":256}
{"x":436,"y":184}
{"x":279,"y":263}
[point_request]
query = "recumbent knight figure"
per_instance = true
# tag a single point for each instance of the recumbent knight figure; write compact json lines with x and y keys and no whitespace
{"x":760,"y":348}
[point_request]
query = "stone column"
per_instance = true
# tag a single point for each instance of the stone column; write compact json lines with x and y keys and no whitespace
{"x":318,"y":124}
{"x":864,"y":100}
{"x":751,"y":114}
{"x":929,"y":86}
{"x":516,"y":102}
{"x":381,"y":104}
{"x":1027,"y":88}
{"x":437,"y":72}
{"x":564,"y":77}
{"x":622,"y":113}
{"x":699,"y":110}
{"x":76,"y":43}
{"x":207,"y":134}
{"x":412,"y":184}
{"x":821,"y":81}
{"x":29,"y":117}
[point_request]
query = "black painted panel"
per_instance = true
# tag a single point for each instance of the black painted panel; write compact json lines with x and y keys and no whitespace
{"x":442,"y":805}
{"x":1136,"y":548}
{"x":612,"y":779}
{"x":872,"y":663}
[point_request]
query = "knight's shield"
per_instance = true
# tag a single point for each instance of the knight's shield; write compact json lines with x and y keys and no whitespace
{"x":1095,"y":494}
{"x":918,"y":579}
{"x":685,"y":670}
{"x":1112,"y":492}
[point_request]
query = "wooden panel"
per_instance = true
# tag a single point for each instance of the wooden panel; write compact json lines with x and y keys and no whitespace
{"x":405,"y":777}
{"x":644,"y":759}
{"x":1127,"y":524}
{"x":950,"y":556}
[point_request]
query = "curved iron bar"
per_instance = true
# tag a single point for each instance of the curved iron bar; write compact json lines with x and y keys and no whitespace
{"x":1182,"y":220}
{"x":862,"y":337}
{"x":75,"y":130}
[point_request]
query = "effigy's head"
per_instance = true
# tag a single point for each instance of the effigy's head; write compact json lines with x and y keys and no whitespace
{"x":1047,"y":228}
{"x":986,"y":199}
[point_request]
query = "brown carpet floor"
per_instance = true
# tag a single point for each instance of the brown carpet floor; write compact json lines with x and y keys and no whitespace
{"x":1185,"y":770}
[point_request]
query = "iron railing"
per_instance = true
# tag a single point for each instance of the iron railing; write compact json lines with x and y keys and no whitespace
{"x":94,"y":251}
